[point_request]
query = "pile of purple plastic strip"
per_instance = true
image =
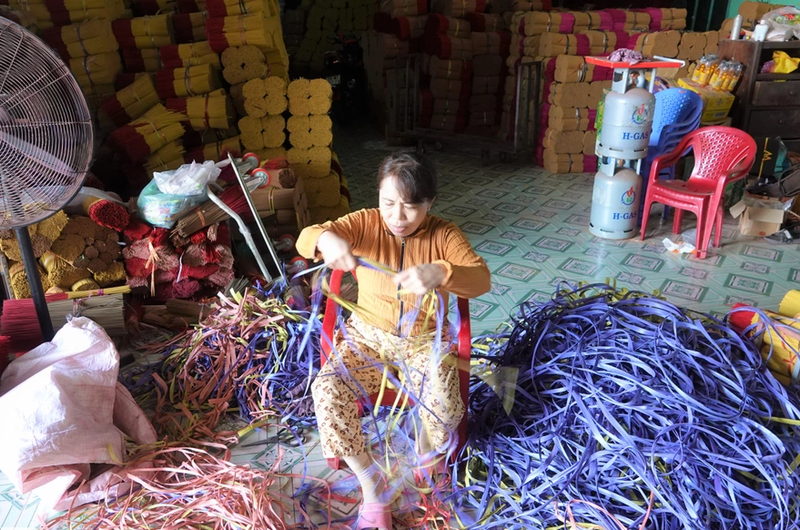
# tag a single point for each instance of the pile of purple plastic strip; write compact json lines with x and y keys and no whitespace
{"x":658,"y":417}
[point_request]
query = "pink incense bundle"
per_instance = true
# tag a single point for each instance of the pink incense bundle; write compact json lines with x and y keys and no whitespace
{"x":601,"y":20}
{"x":453,"y":27}
{"x":138,"y":268}
{"x":222,"y":277}
{"x":197,"y":272}
{"x":107,"y":213}
{"x":182,"y":290}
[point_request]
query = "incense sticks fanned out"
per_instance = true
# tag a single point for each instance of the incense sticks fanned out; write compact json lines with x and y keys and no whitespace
{"x":149,"y":133}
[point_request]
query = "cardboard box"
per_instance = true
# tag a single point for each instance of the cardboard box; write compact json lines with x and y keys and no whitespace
{"x":760,"y":216}
{"x":716,"y":103}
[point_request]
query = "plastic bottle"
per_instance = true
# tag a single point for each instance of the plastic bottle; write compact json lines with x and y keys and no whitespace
{"x":760,"y":33}
{"x":733,"y":79}
{"x":714,"y":79}
{"x":697,"y":75}
{"x":720,"y":75}
{"x":736,"y":30}
{"x":711,"y":67}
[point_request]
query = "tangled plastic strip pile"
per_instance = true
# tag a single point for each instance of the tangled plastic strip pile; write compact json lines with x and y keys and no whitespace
{"x":253,"y":356}
{"x":175,"y":488}
{"x":632,"y":413}
{"x":256,"y":357}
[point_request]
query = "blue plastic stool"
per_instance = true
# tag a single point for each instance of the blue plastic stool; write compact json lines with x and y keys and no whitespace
{"x":677,"y":114}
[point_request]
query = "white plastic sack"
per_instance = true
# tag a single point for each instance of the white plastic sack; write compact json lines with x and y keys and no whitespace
{"x":189,"y":179}
{"x":782,"y":21}
{"x":61,"y":411}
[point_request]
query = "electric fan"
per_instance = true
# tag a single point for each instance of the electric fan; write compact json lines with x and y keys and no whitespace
{"x":45,"y":143}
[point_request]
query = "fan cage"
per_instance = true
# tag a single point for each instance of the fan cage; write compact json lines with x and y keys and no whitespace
{"x":45,"y":129}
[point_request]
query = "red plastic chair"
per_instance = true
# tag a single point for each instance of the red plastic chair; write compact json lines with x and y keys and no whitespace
{"x":464,"y":350}
{"x":721,"y":155}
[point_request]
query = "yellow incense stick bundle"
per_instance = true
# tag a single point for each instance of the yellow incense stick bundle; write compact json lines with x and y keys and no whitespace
{"x":132,"y":101}
{"x":261,"y":133}
{"x":243,"y":63}
{"x":265,"y":96}
{"x":309,"y":97}
{"x":214,"y":151}
{"x":212,"y":111}
{"x":310,"y":131}
{"x":182,"y":55}
{"x":144,"y":32}
{"x":100,"y":69}
{"x":168,"y":157}
{"x":90,"y":37}
{"x":146,"y":135}
{"x":189,"y":81}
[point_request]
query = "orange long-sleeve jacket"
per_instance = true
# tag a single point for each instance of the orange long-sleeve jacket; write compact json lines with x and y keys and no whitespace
{"x":436,"y":241}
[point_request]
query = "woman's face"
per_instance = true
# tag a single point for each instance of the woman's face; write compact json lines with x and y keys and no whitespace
{"x":401,"y":217}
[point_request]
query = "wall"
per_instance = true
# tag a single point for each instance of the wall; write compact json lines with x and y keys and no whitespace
{"x":733,"y":8}
{"x":733,"y":5}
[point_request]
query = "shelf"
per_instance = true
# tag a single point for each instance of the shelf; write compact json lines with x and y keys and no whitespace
{"x":770,"y":45}
{"x":778,"y":77}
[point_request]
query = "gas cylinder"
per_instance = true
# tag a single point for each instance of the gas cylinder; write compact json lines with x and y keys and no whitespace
{"x":627,"y":121}
{"x":615,"y":204}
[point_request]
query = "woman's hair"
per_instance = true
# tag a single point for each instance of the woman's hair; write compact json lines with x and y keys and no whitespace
{"x":414,"y":175}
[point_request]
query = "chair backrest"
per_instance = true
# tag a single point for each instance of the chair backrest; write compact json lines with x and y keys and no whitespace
{"x":718,"y":150}
{"x":677,"y":113}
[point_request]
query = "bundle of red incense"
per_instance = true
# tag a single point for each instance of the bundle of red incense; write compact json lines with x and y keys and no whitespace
{"x":107,"y":213}
{"x":189,"y":54}
{"x":131,"y":101}
{"x":149,"y":133}
{"x":178,"y":271}
{"x":189,"y":27}
{"x":141,"y":60}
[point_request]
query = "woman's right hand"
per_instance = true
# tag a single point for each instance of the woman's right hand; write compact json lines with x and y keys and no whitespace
{"x":336,"y":252}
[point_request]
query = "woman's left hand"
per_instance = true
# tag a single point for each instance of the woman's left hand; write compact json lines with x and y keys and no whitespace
{"x":422,"y":278}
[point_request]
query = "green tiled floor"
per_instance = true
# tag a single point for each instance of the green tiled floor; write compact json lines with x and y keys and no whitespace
{"x":531,"y":227}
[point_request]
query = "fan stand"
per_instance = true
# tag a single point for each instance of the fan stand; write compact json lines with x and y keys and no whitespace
{"x":35,"y":282}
